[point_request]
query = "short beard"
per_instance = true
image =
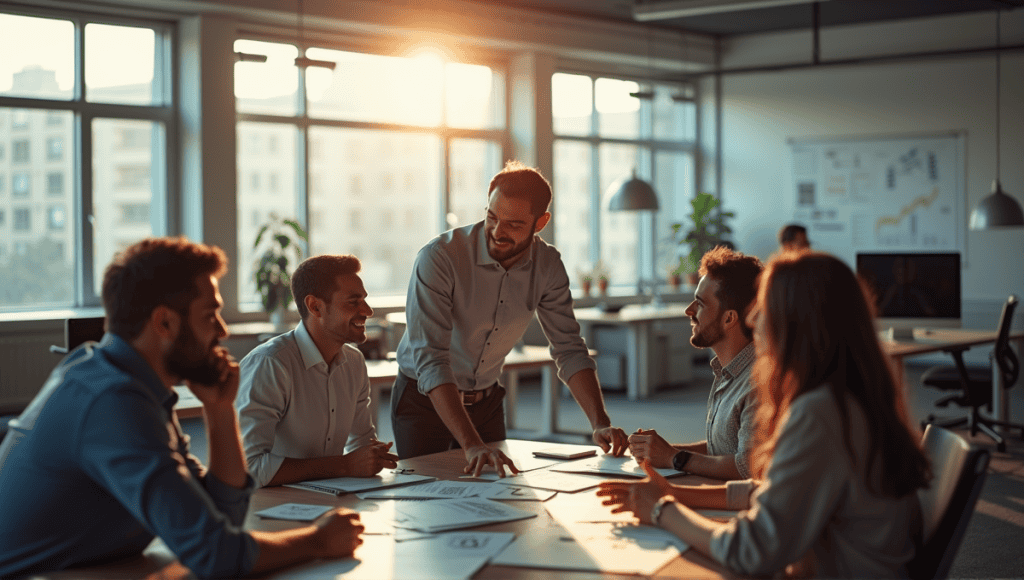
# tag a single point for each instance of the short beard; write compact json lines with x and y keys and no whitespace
{"x":514,"y":251}
{"x":188,"y":360}
{"x":706,"y":338}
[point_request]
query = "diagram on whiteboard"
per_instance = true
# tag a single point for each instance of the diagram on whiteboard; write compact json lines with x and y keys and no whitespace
{"x":884,"y":194}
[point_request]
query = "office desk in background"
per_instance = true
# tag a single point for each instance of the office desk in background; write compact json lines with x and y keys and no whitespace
{"x":936,"y":340}
{"x":158,"y":562}
{"x":639,"y":322}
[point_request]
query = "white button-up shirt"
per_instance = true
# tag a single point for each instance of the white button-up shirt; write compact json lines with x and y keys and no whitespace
{"x":465,"y":312}
{"x":292,"y":403}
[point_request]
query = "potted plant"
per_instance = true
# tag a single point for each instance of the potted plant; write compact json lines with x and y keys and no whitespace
{"x":704,"y":231}
{"x":275,"y":242}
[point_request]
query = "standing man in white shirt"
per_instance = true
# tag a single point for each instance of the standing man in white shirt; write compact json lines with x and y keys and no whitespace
{"x":303,"y":402}
{"x":472,"y":294}
{"x":718,"y":317}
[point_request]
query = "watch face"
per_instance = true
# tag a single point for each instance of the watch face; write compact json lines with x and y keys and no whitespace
{"x":679,"y":460}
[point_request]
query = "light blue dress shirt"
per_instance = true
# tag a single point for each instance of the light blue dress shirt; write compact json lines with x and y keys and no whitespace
{"x":292,"y":403}
{"x":97,"y":466}
{"x":465,"y":312}
{"x":732,"y":409}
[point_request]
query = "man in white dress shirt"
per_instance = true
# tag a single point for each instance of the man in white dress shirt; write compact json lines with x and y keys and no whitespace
{"x":303,"y":401}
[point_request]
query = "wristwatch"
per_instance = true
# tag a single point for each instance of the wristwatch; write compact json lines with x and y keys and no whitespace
{"x":659,"y":506}
{"x":679,"y":460}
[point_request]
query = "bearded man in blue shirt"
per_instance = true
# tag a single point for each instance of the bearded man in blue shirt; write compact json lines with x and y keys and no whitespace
{"x":97,"y":465}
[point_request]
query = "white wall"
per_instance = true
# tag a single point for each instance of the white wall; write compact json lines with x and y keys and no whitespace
{"x":762,"y":110}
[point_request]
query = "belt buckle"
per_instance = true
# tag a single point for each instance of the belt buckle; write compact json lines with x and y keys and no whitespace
{"x":470,"y":398}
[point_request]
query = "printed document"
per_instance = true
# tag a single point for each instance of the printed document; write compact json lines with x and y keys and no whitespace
{"x":343,"y":485}
{"x":450,"y":514}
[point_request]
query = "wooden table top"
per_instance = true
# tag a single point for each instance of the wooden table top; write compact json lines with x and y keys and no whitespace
{"x":158,"y":562}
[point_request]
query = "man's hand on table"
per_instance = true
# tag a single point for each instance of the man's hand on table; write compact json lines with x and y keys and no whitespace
{"x":653,"y":447}
{"x":369,"y":460}
{"x":612,"y":440}
{"x":338,"y":532}
{"x":480,"y":456}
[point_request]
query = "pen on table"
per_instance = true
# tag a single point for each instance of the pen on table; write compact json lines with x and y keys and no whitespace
{"x":402,"y":470}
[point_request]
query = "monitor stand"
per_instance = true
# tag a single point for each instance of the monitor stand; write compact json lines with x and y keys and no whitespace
{"x":901,"y":333}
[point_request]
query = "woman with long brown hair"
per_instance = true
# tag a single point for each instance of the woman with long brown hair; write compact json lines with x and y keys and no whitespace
{"x":837,"y":460}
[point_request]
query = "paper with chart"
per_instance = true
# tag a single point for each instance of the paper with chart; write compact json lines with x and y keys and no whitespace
{"x":899,"y":193}
{"x":343,"y":485}
{"x":451,"y":556}
{"x":548,"y":479}
{"x":440,"y":489}
{"x":624,"y":466}
{"x":450,"y":514}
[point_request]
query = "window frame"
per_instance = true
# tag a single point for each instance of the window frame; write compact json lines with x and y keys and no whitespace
{"x":303,"y":122}
{"x":648,"y":147}
{"x":164,"y":111}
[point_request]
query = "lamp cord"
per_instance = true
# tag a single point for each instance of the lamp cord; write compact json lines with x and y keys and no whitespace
{"x":998,"y":78}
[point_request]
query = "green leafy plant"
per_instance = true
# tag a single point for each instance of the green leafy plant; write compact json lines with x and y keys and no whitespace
{"x":276,"y":240}
{"x":704,"y":231}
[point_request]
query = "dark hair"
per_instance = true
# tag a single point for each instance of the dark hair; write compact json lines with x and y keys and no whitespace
{"x":155,"y":272}
{"x":788,"y":233}
{"x":820,"y":331}
{"x":522,"y":182}
{"x":736,"y":275}
{"x":317,"y":275}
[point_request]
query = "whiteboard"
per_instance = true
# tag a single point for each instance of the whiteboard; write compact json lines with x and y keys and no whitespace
{"x":880,"y":194}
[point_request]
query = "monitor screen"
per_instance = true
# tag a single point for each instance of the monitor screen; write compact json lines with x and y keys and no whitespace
{"x":913,"y":286}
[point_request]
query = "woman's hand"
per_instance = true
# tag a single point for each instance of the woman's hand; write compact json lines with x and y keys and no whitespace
{"x":637,"y":497}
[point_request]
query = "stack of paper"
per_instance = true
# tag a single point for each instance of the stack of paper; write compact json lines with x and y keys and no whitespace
{"x":343,"y":485}
{"x":459,"y":489}
{"x":624,"y":466}
{"x":452,"y":514}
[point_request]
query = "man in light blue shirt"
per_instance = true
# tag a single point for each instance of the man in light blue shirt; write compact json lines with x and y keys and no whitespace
{"x":472,"y":294}
{"x":97,"y":465}
{"x":718,"y":313}
{"x":304,"y":399}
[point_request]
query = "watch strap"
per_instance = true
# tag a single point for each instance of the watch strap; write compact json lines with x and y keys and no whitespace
{"x":680,"y":459}
{"x":659,"y":506}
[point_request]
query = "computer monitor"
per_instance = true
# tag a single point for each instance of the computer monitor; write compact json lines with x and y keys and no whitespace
{"x":913,"y":290}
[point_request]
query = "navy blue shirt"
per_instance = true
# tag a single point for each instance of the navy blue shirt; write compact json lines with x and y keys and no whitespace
{"x":97,"y":466}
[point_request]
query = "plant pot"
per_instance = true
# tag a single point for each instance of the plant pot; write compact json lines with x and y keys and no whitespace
{"x":277,"y":319}
{"x":586,"y":284}
{"x":675,"y":281}
{"x":692,"y":278}
{"x":602,"y":286}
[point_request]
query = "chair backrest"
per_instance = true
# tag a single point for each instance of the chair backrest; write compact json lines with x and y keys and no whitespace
{"x":79,"y":330}
{"x":1005,"y":357}
{"x":947,"y":504}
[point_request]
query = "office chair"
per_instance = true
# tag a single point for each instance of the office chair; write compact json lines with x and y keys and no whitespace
{"x":79,"y":330}
{"x":974,"y":384}
{"x":947,"y":504}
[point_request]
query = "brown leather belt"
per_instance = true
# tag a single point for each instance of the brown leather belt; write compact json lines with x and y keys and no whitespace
{"x":474,"y":397}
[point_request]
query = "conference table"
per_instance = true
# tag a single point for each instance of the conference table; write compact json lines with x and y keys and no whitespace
{"x":928,"y":340}
{"x":158,"y":562}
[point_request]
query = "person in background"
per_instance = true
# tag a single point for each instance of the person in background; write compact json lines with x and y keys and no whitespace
{"x":838,"y":461}
{"x":97,"y":465}
{"x":472,"y":293}
{"x":304,"y":400}
{"x":721,"y":302}
{"x":793,"y":237}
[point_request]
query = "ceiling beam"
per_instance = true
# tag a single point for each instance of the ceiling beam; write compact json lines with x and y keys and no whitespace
{"x":651,"y":11}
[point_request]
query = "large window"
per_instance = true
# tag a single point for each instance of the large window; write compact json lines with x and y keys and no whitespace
{"x":606,"y":130}
{"x":72,"y":176}
{"x":375,"y":157}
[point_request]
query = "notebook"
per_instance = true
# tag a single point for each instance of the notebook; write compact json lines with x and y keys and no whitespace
{"x":343,"y":485}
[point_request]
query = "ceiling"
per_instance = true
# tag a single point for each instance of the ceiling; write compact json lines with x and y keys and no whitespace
{"x":769,"y":18}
